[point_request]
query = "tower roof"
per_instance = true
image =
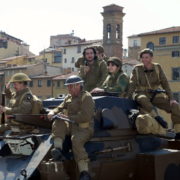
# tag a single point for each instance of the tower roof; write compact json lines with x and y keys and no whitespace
{"x":113,"y":8}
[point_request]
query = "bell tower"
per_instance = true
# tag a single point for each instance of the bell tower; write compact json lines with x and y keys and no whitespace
{"x":112,"y":30}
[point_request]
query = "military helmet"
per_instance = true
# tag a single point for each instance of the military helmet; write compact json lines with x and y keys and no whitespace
{"x":146,"y":51}
{"x":19,"y":77}
{"x":115,"y":60}
{"x":74,"y":79}
{"x":100,"y":49}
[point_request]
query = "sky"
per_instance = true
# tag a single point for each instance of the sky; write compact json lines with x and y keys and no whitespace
{"x":34,"y":21}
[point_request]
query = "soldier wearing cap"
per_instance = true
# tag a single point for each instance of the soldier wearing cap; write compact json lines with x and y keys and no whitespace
{"x":78,"y":106}
{"x":116,"y":81}
{"x":93,"y":71}
{"x":100,"y":53}
{"x":21,"y":101}
{"x":146,"y":78}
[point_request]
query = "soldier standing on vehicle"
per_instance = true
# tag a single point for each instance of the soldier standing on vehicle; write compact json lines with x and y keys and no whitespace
{"x":117,"y":81}
{"x":100,"y":53}
{"x":78,"y":106}
{"x":146,"y":79}
{"x":92,"y":71}
{"x":21,"y":100}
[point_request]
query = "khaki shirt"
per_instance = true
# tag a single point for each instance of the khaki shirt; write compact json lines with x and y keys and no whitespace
{"x":96,"y":75}
{"x":21,"y":102}
{"x":80,"y":61}
{"x":79,"y":109}
{"x":117,"y":82}
{"x":141,"y":80}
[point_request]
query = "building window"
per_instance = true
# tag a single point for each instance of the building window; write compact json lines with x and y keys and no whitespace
{"x":64,"y":51}
{"x":78,"y":49}
{"x":150,"y":45}
{"x":162,"y":40}
{"x":108,"y":31}
{"x":58,"y":83}
{"x":39,"y":83}
{"x":135,"y":44}
{"x":117,"y":31}
{"x":57,"y":57}
{"x":48,"y":83}
{"x":72,"y":60}
{"x":176,"y":96}
{"x":65,"y":60}
{"x":3,"y":43}
{"x":175,"y":53}
{"x":72,"y":69}
{"x":31,"y":84}
{"x":175,"y":39}
{"x":176,"y":73}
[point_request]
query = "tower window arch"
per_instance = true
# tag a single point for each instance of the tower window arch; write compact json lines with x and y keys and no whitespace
{"x":117,"y":31}
{"x":108,"y":28}
{"x":150,"y":45}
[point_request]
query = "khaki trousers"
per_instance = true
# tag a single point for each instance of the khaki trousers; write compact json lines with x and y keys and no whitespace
{"x":79,"y":136}
{"x":162,"y":102}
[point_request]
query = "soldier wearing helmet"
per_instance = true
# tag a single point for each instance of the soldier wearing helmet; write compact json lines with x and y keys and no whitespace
{"x":77,"y":106}
{"x":20,"y":100}
{"x":116,"y":81}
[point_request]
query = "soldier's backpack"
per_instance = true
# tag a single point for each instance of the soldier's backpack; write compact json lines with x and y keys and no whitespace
{"x":37,"y":105}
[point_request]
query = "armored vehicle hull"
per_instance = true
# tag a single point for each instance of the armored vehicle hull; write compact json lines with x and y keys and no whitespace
{"x":116,"y":150}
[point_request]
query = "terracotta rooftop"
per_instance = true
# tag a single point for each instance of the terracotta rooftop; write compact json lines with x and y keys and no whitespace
{"x":64,"y":76}
{"x":161,"y":31}
{"x":13,"y":57}
{"x":131,"y":61}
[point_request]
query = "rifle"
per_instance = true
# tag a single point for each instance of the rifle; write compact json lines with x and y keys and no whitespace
{"x":39,"y":120}
{"x":154,"y":92}
{"x":158,"y":118}
{"x":116,"y":94}
{"x":3,"y":104}
{"x":62,"y":118}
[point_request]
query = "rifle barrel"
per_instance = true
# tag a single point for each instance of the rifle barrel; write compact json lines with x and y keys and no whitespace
{"x":3,"y":104}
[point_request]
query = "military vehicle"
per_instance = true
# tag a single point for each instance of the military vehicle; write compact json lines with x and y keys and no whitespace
{"x":116,"y":150}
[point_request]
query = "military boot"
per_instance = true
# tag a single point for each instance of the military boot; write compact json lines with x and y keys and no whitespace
{"x":84,"y":175}
{"x":57,"y":155}
{"x":56,"y":152}
{"x":177,"y":137}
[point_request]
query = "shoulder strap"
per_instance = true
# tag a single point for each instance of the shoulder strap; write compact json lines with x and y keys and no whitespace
{"x":83,"y":96}
{"x":157,"y":70}
{"x":22,"y":97}
{"x":137,"y":74}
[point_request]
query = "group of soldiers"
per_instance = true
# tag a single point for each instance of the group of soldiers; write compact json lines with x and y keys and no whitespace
{"x":99,"y":74}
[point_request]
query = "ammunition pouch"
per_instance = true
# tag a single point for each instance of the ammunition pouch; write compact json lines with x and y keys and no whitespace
{"x":84,"y":125}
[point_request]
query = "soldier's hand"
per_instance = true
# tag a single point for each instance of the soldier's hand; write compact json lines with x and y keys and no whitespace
{"x":2,"y":109}
{"x":8,"y":85}
{"x":86,"y":69}
{"x":173,"y":102}
{"x":62,"y":115}
{"x":96,"y":90}
{"x":50,"y":115}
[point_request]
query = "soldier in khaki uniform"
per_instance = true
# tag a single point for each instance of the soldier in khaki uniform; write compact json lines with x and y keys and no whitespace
{"x":92,"y":71}
{"x":100,"y":53}
{"x":21,"y":101}
{"x":117,"y":81}
{"x":149,"y":76}
{"x":78,"y":106}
